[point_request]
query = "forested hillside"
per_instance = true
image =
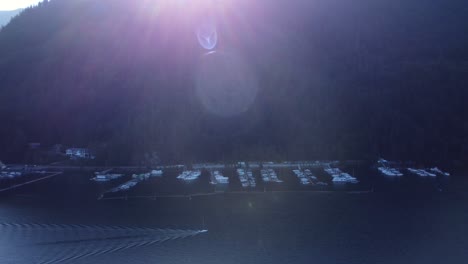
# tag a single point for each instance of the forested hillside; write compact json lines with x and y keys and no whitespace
{"x":337,"y":80}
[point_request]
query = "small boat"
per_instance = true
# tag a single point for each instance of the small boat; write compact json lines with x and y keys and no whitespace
{"x":440,"y":172}
{"x":156,"y":173}
{"x":421,"y":172}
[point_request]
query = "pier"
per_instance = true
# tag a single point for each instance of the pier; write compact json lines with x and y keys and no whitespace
{"x":195,"y":195}
{"x":31,"y":181}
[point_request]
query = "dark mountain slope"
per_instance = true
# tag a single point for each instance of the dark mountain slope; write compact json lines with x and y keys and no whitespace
{"x":337,"y":79}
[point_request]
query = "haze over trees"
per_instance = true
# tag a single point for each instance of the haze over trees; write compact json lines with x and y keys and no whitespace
{"x":5,"y":16}
{"x":337,"y":80}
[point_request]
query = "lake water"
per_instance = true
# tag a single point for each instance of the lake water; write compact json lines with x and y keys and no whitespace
{"x":404,"y":220}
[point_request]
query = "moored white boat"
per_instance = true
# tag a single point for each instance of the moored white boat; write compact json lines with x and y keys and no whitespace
{"x":421,"y":172}
{"x":438,"y":171}
{"x":156,"y":173}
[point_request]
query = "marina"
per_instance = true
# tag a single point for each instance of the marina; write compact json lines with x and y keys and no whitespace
{"x":164,"y":181}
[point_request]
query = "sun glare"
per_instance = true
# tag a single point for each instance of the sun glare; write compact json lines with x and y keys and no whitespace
{"x":16,"y":4}
{"x":194,"y":6}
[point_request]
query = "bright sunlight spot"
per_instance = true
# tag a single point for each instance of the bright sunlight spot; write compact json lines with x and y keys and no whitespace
{"x":16,"y":4}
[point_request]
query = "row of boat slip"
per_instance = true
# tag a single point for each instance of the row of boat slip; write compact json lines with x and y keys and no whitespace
{"x":295,"y":164}
{"x":216,"y":177}
{"x":136,"y":178}
{"x":389,"y":171}
{"x":269,"y":175}
{"x":189,"y":175}
{"x":340,"y":177}
{"x":439,"y":171}
{"x":105,"y":176}
{"x":421,"y":172}
{"x":386,"y":168}
{"x":306,"y":177}
{"x":246,"y":178}
{"x":153,"y":173}
{"x":432,"y":172}
{"x":17,"y":174}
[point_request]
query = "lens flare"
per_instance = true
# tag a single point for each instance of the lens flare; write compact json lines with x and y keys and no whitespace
{"x":207,"y":35}
{"x":225,"y":84}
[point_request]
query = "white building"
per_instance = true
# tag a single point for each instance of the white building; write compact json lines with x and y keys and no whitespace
{"x":81,"y":153}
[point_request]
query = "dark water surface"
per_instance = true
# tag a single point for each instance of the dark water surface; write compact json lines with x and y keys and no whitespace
{"x":405,"y":220}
